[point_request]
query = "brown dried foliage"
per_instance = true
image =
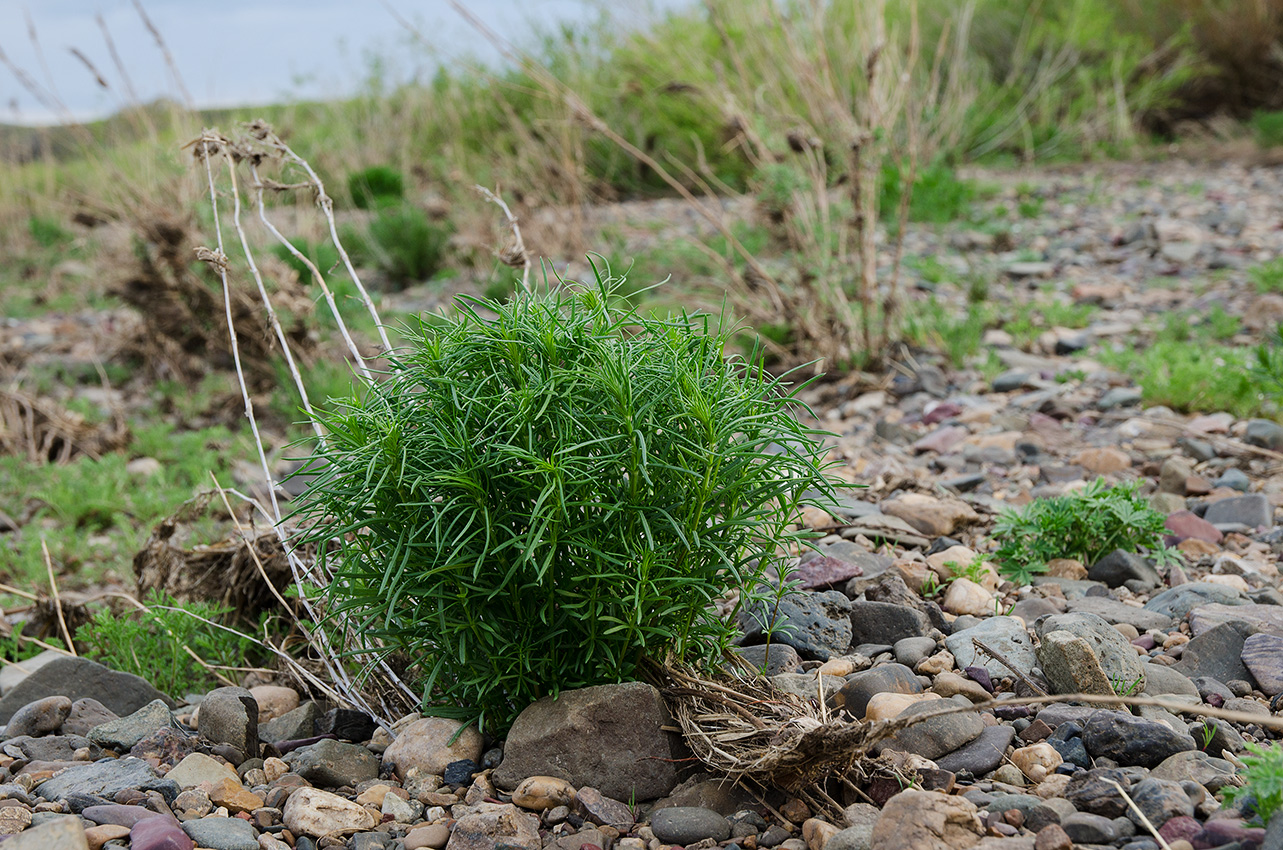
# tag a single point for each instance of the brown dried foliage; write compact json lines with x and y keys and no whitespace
{"x":184,"y":334}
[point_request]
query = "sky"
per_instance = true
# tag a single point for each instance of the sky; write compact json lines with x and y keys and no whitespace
{"x":242,"y":52}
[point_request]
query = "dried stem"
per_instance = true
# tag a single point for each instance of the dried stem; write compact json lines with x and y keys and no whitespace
{"x":57,"y":600}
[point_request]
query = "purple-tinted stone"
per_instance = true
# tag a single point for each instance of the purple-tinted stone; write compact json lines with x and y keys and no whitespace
{"x":118,"y":815}
{"x":284,"y":747}
{"x":941,"y":440}
{"x":981,"y":677}
{"x":1184,"y":524}
{"x":1145,"y":642}
{"x":159,"y":833}
{"x":940,"y":411}
{"x":1180,"y":827}
{"x":827,"y":571}
{"x":1011,"y":712}
{"x":1218,"y":832}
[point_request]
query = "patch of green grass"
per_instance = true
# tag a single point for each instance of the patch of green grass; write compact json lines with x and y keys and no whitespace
{"x":95,"y":514}
{"x":930,"y":269}
{"x":931,"y":325}
{"x":47,"y":232}
{"x":939,"y":194}
{"x":1189,"y":377}
{"x":1215,"y":325}
{"x":1267,"y":127}
{"x":1268,"y":277}
{"x":1086,"y":525}
{"x":154,"y":643}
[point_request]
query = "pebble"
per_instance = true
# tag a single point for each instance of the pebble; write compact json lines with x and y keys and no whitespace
{"x":687,"y":824}
{"x":311,"y":811}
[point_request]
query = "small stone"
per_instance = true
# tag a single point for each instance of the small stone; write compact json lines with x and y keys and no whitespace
{"x":539,"y":793}
{"x":62,"y":833}
{"x":193,"y":802}
{"x":602,"y":810}
{"x":888,"y":705}
{"x":425,"y":744}
{"x":273,"y":701}
{"x":40,"y":717}
{"x":1185,"y":525}
{"x":1036,"y":761}
{"x":432,"y":836}
{"x":1070,"y":665}
{"x":346,"y":724}
{"x":1088,"y":828}
{"x":927,"y":820}
{"x":1264,"y":433}
{"x":1053,"y":837}
{"x":966,"y":597}
{"x":934,"y":736}
{"x":687,"y":824}
{"x":817,"y":625}
{"x":933,"y":517}
{"x":159,"y":833}
{"x":198,"y":768}
{"x":1132,"y":741}
{"x":1159,"y":800}
{"x":86,"y":713}
{"x":505,"y":826}
{"x":1252,"y":509}
{"x":124,"y":733}
{"x":310,"y":811}
{"x":97,"y":836}
{"x":1120,"y":566}
{"x":230,"y":716}
{"x":1102,"y":461}
{"x":333,"y":763}
{"x":861,"y":687}
{"x":222,"y":833}
{"x":1263,"y":656}
{"x":233,"y":796}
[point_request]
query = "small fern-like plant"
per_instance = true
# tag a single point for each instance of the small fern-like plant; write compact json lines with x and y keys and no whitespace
{"x":544,"y":492}
{"x":1086,"y":525}
{"x":1263,"y":780}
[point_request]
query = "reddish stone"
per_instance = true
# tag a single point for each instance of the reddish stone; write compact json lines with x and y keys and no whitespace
{"x":940,"y":411}
{"x":1183,"y":525}
{"x":827,"y":571}
{"x":941,"y":440}
{"x":1180,"y":827}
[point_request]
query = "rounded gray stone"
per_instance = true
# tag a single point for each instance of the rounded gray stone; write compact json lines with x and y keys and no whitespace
{"x":687,"y":824}
{"x":222,"y":833}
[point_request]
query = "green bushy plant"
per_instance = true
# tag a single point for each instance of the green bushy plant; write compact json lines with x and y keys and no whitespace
{"x":1086,"y":525}
{"x":1263,"y":780}
{"x":152,"y":643}
{"x":541,"y":500}
{"x":406,"y":245}
{"x":379,"y":186}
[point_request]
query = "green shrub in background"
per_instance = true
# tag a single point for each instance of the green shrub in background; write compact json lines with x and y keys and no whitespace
{"x":1086,"y":525}
{"x":372,"y":188}
{"x":1267,"y":126}
{"x":406,"y":245}
{"x":47,"y":232}
{"x":323,"y":254}
{"x":541,"y":500}
{"x":151,"y":643}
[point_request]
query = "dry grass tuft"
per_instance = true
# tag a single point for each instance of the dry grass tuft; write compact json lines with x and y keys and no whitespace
{"x":230,"y":572}
{"x":44,"y":432}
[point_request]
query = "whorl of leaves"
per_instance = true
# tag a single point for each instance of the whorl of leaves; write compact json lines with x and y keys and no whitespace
{"x":544,"y":492}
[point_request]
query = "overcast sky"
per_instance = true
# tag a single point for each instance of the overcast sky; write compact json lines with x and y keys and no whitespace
{"x":242,"y":52}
